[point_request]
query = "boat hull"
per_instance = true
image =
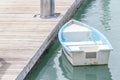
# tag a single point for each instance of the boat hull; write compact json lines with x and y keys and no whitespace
{"x":80,"y":58}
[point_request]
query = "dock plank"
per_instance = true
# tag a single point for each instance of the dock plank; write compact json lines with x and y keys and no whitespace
{"x":21,"y":34}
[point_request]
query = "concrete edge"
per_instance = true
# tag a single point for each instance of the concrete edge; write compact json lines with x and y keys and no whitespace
{"x":71,"y":11}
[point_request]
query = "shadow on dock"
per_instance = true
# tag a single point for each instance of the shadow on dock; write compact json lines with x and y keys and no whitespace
{"x":3,"y":67}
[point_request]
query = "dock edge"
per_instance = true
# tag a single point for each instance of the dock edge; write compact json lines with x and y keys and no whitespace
{"x":68,"y":15}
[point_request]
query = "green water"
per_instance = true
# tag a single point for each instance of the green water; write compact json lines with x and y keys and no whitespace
{"x":102,"y":15}
{"x":55,"y":66}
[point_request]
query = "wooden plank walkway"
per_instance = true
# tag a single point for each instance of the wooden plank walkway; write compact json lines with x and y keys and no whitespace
{"x":21,"y":34}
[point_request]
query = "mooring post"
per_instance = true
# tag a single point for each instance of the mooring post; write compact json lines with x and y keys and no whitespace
{"x":47,"y":8}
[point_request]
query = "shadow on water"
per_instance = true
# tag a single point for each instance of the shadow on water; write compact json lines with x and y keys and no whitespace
{"x":43,"y":69}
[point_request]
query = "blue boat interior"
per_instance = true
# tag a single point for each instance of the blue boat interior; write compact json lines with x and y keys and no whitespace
{"x":95,"y":35}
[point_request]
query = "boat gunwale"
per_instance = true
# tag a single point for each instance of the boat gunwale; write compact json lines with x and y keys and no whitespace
{"x":101,"y":36}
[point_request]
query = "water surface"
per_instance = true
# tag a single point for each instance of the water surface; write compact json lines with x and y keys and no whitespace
{"x":57,"y":67}
{"x":102,"y":15}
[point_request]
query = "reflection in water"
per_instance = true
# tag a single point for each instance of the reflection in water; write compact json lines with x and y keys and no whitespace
{"x":84,"y":72}
{"x":83,"y":9}
{"x":105,"y":14}
{"x":55,"y":66}
{"x":59,"y":72}
{"x":58,"y":68}
{"x":95,"y":13}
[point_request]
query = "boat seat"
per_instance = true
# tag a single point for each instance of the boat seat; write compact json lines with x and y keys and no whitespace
{"x":75,"y":32}
{"x":82,"y":43}
{"x":85,"y":48}
{"x":93,"y":48}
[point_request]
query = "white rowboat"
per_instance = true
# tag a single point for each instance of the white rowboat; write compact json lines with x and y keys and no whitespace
{"x":84,"y":45}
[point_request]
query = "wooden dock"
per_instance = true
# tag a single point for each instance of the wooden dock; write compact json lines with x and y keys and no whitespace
{"x":21,"y":34}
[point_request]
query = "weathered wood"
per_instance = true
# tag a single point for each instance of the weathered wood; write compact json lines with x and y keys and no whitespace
{"x":21,"y":34}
